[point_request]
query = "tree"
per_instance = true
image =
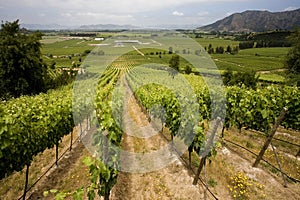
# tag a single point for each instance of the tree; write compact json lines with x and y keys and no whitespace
{"x":210,"y":49}
{"x":188,"y":69}
{"x":174,"y":64}
{"x":246,"y":45}
{"x":22,"y":70}
{"x":170,"y":50}
{"x":293,"y":56}
{"x":220,"y":50}
{"x":248,"y":78}
{"x":228,"y":49}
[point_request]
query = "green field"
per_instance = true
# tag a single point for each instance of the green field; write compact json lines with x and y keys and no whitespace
{"x":64,"y":52}
{"x":216,"y":42}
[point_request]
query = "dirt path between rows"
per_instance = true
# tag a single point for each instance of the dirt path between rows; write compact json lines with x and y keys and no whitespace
{"x":170,"y":182}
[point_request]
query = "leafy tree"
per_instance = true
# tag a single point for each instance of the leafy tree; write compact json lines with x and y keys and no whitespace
{"x":227,"y":77}
{"x":235,"y":50}
{"x":22,"y":70}
{"x":293,"y":56}
{"x":210,"y":49}
{"x":248,"y":79}
{"x":220,"y":50}
{"x":228,"y":49}
{"x":174,"y":64}
{"x":246,"y":45}
{"x":170,"y":50}
{"x":188,"y":69}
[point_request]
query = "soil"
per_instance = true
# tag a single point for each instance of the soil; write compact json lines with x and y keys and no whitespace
{"x":164,"y":183}
{"x":55,"y":176}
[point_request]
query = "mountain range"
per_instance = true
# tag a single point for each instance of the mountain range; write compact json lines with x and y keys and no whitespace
{"x":256,"y":21}
{"x":82,"y":27}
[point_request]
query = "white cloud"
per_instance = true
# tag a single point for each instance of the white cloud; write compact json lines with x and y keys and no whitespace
{"x":290,"y":8}
{"x":176,"y":13}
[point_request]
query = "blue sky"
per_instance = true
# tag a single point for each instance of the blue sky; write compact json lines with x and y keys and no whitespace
{"x":134,"y":12}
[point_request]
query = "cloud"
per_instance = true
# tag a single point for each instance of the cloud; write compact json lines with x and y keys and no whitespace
{"x":176,"y":13}
{"x":290,"y":8}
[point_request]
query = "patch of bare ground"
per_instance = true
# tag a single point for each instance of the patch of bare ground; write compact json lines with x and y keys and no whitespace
{"x":69,"y":175}
{"x":12,"y":186}
{"x":173,"y":181}
{"x":271,"y":184}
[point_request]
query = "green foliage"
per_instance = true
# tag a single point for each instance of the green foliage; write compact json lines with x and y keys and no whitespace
{"x":248,"y":79}
{"x":293,"y":56}
{"x":220,"y":50}
{"x":188,"y":69}
{"x":174,"y":62}
{"x":246,"y":45}
{"x":253,"y":109}
{"x":22,"y":70}
{"x":210,"y":49}
{"x":267,"y":39}
{"x":31,"y":124}
{"x":102,"y":178}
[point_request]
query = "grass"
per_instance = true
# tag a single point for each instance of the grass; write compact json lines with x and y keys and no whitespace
{"x":256,"y":59}
{"x":244,"y":62}
{"x":67,"y":47}
{"x":216,"y":42}
{"x":272,"y":77}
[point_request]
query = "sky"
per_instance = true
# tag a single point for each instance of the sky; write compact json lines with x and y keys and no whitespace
{"x":134,"y":12}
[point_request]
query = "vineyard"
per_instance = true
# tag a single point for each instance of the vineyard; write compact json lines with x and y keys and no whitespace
{"x":133,"y":114}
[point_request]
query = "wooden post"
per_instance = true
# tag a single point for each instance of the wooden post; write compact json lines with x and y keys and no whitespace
{"x":202,"y":161}
{"x":106,"y":195}
{"x":205,"y":181}
{"x":26,"y":182}
{"x":222,"y":134}
{"x":80,"y":131}
{"x":270,"y":136}
{"x":207,"y":150}
{"x":279,"y":165}
{"x":56,"y":153}
{"x":71,"y":140}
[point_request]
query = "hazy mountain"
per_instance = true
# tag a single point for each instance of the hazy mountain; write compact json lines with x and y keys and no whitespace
{"x":256,"y":21}
{"x":83,"y":27}
{"x":45,"y":27}
{"x":107,"y":27}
